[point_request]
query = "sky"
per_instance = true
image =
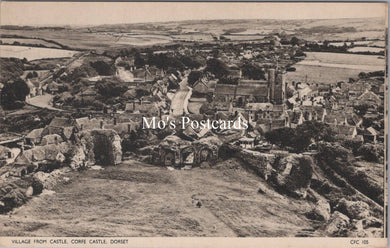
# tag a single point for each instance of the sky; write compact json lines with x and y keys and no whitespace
{"x":96,"y":13}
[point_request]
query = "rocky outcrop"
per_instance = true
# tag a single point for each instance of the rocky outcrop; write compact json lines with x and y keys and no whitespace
{"x":338,"y":225}
{"x":320,"y":212}
{"x":294,"y":174}
{"x":78,"y":159}
{"x":260,"y":163}
{"x":353,"y":209}
{"x":15,"y":192}
{"x":49,"y":180}
{"x":48,"y":152}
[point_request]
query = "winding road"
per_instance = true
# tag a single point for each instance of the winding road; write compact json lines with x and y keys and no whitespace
{"x":180,"y":99}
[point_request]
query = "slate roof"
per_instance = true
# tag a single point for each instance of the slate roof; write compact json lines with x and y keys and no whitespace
{"x":34,"y":134}
{"x":61,"y":122}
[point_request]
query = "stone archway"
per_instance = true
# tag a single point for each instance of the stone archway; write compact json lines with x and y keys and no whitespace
{"x":205,"y":154}
{"x":102,"y":149}
{"x":169,"y":159}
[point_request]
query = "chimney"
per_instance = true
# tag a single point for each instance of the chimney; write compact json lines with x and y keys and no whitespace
{"x":115,"y":121}
{"x":101,"y":124}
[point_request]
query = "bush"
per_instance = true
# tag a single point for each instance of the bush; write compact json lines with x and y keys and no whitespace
{"x":14,"y":94}
{"x":110,"y":88}
{"x":193,"y":77}
{"x":353,"y":145}
{"x":253,"y":72}
{"x":330,"y":152}
{"x":217,"y":67}
{"x":301,"y":137}
{"x":370,"y":152}
{"x":102,"y":68}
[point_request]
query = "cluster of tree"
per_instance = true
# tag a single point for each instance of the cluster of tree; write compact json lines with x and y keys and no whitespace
{"x":103,"y":68}
{"x":84,"y":70}
{"x":79,"y":102}
{"x":33,"y":74}
{"x":11,"y":68}
{"x":17,"y":43}
{"x":217,"y":67}
{"x":300,"y":138}
{"x":193,"y":77}
{"x":14,"y":94}
{"x":334,"y":157}
{"x":293,"y":41}
{"x":371,"y":152}
{"x":26,"y":123}
{"x":327,"y":47}
{"x":163,"y":61}
{"x":110,"y":88}
{"x":371,"y":74}
{"x":252,"y":71}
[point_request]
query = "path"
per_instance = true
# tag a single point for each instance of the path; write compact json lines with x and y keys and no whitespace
{"x":180,"y":99}
{"x":42,"y":101}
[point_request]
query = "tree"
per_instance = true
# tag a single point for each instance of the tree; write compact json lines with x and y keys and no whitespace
{"x":330,"y":152}
{"x":217,"y":67}
{"x":109,"y":88}
{"x":370,"y":152}
{"x":282,"y":137}
{"x":301,"y":137}
{"x":14,"y":92}
{"x":191,"y":62}
{"x":294,"y":41}
{"x":252,"y":72}
{"x":315,"y":130}
{"x":29,"y":75}
{"x":138,"y":60}
{"x":102,"y":68}
{"x":193,"y":77}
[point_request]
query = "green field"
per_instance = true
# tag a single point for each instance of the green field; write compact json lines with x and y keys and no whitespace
{"x":334,"y":67}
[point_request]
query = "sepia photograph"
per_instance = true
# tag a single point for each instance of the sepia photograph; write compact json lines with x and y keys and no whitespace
{"x":192,"y":119}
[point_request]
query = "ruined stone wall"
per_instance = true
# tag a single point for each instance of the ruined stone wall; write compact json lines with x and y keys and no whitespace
{"x":260,"y":163}
{"x":100,"y":145}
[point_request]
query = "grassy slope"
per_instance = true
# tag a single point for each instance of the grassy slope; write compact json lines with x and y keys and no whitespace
{"x":135,"y":199}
